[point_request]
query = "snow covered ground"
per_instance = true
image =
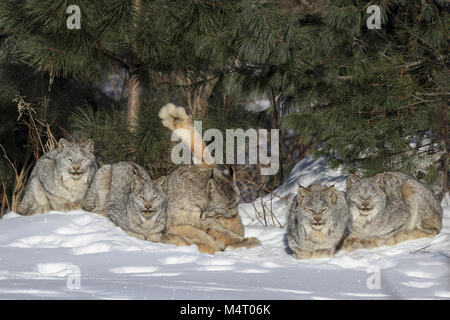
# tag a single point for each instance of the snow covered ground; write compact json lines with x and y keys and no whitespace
{"x":80,"y":255}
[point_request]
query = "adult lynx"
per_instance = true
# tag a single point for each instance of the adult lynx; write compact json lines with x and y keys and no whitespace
{"x":60,"y":178}
{"x":317,"y":221}
{"x":125,"y":193}
{"x":389,"y":208}
{"x":202,"y":207}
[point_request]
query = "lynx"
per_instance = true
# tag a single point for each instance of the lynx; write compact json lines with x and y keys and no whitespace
{"x":60,"y":178}
{"x":125,"y":193}
{"x":317,"y":221}
{"x":203,"y":199}
{"x":389,"y":208}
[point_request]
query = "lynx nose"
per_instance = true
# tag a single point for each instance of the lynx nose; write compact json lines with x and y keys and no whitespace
{"x":365,"y":203}
{"x":148,"y":206}
{"x":317,"y":219}
{"x":76,"y":167}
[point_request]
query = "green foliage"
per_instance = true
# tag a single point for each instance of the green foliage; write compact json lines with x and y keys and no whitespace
{"x":374,"y":92}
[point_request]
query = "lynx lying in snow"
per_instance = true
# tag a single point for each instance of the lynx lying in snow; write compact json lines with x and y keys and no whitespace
{"x":202,"y":207}
{"x":125,"y":193}
{"x":60,"y":178}
{"x":317,"y":222}
{"x":389,"y":208}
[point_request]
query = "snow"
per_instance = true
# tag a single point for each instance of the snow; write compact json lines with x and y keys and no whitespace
{"x":81,"y":255}
{"x":306,"y":172}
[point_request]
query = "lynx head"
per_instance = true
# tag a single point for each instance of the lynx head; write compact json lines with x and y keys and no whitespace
{"x":148,"y":198}
{"x":365,"y":197}
{"x":221,"y":188}
{"x":76,"y":161}
{"x":317,"y":205}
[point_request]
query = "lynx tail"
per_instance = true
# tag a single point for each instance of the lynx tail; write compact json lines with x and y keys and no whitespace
{"x":175,"y":118}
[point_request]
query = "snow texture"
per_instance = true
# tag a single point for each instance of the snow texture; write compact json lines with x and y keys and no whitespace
{"x":81,"y":255}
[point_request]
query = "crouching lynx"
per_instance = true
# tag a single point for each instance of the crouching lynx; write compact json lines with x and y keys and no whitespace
{"x":389,"y":208}
{"x":203,"y":199}
{"x":60,"y":178}
{"x":317,"y":222}
{"x":125,"y":193}
{"x":203,"y":211}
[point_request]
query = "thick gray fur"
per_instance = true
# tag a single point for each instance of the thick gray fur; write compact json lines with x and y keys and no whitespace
{"x":125,"y":193}
{"x":317,"y":222}
{"x":60,"y":178}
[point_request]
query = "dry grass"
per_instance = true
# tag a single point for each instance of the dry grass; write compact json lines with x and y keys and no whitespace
{"x":3,"y":199}
{"x":38,"y":129}
{"x":265,"y":215}
{"x":19,"y":185}
{"x":41,"y":139}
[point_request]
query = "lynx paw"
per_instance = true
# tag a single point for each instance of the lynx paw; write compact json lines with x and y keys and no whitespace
{"x":301,"y":254}
{"x":324,"y":253}
{"x":247,"y":243}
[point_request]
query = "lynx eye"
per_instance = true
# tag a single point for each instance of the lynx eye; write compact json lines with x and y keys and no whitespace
{"x":69,"y":159}
{"x":324,"y":210}
{"x":142,"y":197}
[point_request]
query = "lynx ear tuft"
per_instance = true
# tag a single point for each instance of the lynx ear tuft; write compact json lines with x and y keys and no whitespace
{"x":88,"y":144}
{"x":63,"y":143}
{"x":136,"y":183}
{"x":302,"y":193}
{"x":331,"y":192}
{"x":211,"y":186}
{"x":379,"y":179}
{"x":161,"y":183}
{"x":352,"y":179}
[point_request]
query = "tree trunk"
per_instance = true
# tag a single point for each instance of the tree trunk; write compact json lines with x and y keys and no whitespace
{"x":134,"y":83}
{"x":134,"y":100}
{"x":198,"y":97}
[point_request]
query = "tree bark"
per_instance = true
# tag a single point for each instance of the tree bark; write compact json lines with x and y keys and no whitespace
{"x":134,"y":100}
{"x":134,"y":83}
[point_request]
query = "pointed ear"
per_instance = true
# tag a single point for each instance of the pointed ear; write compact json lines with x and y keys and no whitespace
{"x":211,"y":186}
{"x":302,"y":193}
{"x":331,"y":192}
{"x":352,"y":179}
{"x":136,"y":182}
{"x":88,"y":144}
{"x":161,"y":183}
{"x":379,"y":179}
{"x":63,"y":143}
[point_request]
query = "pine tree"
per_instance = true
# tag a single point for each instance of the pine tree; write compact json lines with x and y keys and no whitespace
{"x":378,"y":99}
{"x":165,"y":50}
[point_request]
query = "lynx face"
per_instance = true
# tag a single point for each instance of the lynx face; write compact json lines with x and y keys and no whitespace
{"x":365,"y":198}
{"x":222,"y":190}
{"x":147,"y":198}
{"x":76,"y":161}
{"x":317,"y":207}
